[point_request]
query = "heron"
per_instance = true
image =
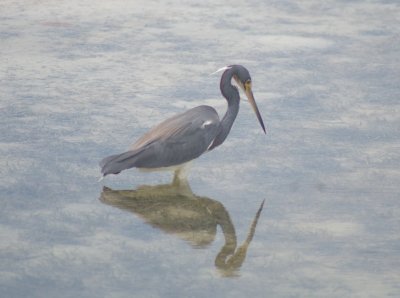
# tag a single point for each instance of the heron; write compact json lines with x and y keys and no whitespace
{"x":175,"y":142}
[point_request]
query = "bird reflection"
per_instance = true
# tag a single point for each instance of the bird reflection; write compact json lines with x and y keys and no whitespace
{"x":175,"y":209}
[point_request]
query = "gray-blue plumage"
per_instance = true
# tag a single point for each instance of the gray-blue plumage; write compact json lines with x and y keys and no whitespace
{"x":175,"y":141}
{"x":186,"y":136}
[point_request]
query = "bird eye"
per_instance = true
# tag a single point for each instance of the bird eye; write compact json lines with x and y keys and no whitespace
{"x":248,"y":83}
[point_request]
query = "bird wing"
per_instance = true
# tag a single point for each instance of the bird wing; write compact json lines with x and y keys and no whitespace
{"x":178,"y":139}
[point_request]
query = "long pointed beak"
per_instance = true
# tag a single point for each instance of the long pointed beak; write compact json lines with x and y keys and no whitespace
{"x":250,"y":97}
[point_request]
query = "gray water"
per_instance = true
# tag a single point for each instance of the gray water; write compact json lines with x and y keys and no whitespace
{"x":83,"y":79}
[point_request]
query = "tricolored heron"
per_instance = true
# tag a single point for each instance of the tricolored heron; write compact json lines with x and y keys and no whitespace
{"x":184,"y":137}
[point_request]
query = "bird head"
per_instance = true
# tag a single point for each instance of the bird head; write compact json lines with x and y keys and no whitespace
{"x":243,"y":79}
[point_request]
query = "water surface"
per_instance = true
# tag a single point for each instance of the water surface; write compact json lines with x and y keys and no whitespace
{"x":83,"y":79}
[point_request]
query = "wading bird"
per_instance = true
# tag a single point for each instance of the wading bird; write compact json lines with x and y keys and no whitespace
{"x":184,"y":137}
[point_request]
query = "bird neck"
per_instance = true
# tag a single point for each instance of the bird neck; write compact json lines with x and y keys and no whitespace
{"x":229,"y":91}
{"x":232,"y":96}
{"x":230,"y":116}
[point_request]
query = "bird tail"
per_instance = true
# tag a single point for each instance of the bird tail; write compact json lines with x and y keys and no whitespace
{"x":114,"y":164}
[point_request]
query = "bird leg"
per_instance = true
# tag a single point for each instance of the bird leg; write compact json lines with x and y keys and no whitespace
{"x":180,"y":175}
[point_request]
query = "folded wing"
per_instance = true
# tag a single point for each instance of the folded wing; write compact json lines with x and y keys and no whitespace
{"x":175,"y":141}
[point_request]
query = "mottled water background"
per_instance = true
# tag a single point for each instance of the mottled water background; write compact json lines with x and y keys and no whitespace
{"x":82,"y":79}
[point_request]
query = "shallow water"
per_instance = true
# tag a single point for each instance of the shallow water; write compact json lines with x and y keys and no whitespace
{"x":81,"y":80}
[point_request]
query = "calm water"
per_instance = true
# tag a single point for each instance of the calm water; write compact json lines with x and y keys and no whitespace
{"x":80,"y":80}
